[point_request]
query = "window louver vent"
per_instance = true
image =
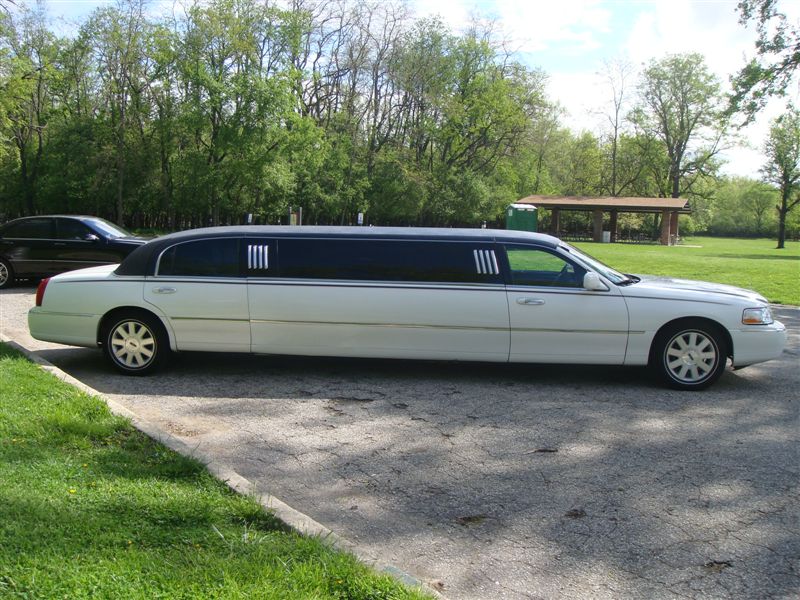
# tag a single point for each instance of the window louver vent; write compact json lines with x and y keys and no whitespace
{"x":258,"y":257}
{"x":486,"y":262}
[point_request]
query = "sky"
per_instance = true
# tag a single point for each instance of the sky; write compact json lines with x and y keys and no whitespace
{"x":571,"y":39}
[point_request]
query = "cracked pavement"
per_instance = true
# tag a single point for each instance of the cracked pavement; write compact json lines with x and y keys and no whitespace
{"x":502,"y":481}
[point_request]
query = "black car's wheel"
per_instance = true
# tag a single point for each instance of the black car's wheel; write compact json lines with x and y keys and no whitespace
{"x":689,"y":355}
{"x":6,"y":274}
{"x":135,"y":342}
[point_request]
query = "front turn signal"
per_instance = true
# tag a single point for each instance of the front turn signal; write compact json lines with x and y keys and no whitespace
{"x":757,"y":316}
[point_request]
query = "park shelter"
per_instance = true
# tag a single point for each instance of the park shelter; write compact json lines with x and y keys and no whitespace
{"x":669,"y":208}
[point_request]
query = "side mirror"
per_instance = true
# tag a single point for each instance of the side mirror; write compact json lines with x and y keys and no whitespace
{"x":592,"y":282}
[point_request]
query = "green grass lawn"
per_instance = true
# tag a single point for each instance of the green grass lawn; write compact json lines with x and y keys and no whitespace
{"x":91,"y":508}
{"x":751,"y":264}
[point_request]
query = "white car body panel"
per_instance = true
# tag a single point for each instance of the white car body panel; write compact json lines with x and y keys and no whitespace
{"x":203,"y":313}
{"x":562,"y":325}
{"x":654,"y":301}
{"x":380,"y":320}
{"x":77,"y":317}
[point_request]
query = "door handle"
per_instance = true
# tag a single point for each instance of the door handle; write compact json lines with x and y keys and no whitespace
{"x":530,"y":301}
{"x":164,"y":290}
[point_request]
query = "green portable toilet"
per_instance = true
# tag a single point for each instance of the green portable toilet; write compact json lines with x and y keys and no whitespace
{"x":521,"y":217}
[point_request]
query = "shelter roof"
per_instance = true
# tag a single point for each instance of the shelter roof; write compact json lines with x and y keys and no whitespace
{"x":624,"y":204}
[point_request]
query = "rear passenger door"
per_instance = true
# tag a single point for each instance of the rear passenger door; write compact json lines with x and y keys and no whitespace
{"x":200,"y":288}
{"x":29,"y":245}
{"x":553,"y":318}
{"x":381,"y":298}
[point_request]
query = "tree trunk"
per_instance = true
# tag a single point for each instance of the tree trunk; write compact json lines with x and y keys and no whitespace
{"x":782,"y":226}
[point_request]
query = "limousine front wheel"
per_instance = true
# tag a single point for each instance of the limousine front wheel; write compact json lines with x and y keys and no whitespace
{"x":690,"y":355}
{"x":135,"y":342}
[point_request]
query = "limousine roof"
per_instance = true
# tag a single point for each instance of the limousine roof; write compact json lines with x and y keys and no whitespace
{"x":142,"y":260}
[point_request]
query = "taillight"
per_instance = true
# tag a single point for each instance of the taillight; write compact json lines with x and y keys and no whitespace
{"x":40,"y":290}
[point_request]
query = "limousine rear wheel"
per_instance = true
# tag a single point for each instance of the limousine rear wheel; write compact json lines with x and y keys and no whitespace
{"x":135,"y":342}
{"x":690,"y":355}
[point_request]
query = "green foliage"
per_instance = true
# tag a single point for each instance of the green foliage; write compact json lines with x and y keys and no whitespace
{"x":237,"y":107}
{"x":783,"y":167}
{"x":743,"y":207}
{"x":772,"y":70}
{"x":681,"y":107}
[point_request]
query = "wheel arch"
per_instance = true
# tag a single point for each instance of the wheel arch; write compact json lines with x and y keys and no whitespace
{"x":689,"y":321}
{"x":108,"y":317}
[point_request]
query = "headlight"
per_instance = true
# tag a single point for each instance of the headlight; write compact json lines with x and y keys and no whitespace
{"x":757,"y":316}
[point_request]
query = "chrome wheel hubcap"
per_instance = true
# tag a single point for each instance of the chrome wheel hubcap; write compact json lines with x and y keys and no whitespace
{"x":691,"y":356}
{"x":3,"y":274}
{"x":132,"y":344}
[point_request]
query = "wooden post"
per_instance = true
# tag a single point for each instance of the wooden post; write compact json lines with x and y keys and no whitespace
{"x":556,"y":221}
{"x":666,"y":221}
{"x":673,"y":228}
{"x":613,"y":226}
{"x":598,"y":225}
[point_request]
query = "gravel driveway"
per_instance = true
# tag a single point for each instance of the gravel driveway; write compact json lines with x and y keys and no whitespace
{"x":495,"y":481}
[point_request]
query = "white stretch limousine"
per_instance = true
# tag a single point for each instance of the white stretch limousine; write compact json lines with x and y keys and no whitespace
{"x":452,"y":294}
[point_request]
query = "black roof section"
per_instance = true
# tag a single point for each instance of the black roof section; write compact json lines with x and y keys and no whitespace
{"x":142,"y":260}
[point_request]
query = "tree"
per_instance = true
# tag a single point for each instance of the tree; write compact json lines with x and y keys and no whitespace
{"x":681,"y":106}
{"x":783,"y":169}
{"x":617,"y":74}
{"x":778,"y":56}
{"x":118,"y":35}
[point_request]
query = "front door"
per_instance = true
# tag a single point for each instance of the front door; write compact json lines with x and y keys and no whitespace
{"x":554,"y":319}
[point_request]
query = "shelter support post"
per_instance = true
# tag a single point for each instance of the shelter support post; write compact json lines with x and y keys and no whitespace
{"x":555,"y":225}
{"x":666,"y":227}
{"x":613,"y":226}
{"x":598,"y":225}
{"x":673,"y":228}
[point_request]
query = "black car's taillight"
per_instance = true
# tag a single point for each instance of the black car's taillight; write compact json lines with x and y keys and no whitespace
{"x":40,"y":290}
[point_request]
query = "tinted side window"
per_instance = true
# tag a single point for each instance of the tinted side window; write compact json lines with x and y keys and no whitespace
{"x":388,"y":260}
{"x":538,"y":267}
{"x":31,"y":229}
{"x":68,"y":229}
{"x":202,"y":258}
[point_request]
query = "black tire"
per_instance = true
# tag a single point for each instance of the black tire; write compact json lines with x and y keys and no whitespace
{"x":689,"y":355}
{"x":6,"y":274}
{"x":135,"y":342}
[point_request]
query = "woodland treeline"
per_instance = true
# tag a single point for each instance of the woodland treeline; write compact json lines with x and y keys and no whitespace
{"x":236,"y":107}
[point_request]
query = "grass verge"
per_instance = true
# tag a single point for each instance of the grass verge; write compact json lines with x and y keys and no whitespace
{"x":751,"y":264}
{"x":92,"y":508}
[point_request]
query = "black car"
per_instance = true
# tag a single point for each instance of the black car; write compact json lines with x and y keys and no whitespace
{"x":34,"y":247}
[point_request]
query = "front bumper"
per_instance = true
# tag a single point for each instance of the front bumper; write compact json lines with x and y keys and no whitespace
{"x":758,"y":343}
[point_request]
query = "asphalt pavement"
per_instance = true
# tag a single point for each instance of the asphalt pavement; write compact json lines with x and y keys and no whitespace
{"x":501,"y":481}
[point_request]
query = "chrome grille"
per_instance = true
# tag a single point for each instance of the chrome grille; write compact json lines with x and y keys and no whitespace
{"x":258,"y":257}
{"x":486,"y":262}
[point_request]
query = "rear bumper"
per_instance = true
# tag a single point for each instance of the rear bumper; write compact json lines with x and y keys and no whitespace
{"x":63,"y":328}
{"x":758,"y":343}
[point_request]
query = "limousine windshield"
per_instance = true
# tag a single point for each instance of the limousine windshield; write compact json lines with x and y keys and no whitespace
{"x":595,"y":265}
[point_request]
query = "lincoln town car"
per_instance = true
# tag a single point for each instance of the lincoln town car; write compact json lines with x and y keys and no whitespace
{"x":408,"y":293}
